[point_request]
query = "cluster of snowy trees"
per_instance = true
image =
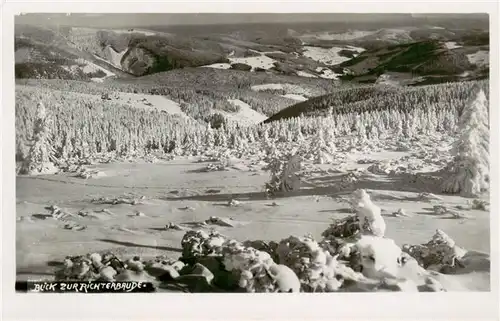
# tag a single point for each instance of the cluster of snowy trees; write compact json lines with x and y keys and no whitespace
{"x":84,"y":128}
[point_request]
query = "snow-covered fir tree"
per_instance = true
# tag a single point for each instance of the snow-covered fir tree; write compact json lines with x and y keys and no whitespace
{"x":40,"y":158}
{"x":470,"y":166}
{"x":319,"y":151}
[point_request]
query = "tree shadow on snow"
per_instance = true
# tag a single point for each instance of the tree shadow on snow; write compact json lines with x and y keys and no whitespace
{"x":340,"y":210}
{"x":160,"y":229}
{"x":130,"y":244}
{"x":428,"y":214}
{"x":335,"y":187}
{"x":251,"y":196}
{"x":204,"y":170}
{"x":55,"y":263}
{"x":41,"y":216}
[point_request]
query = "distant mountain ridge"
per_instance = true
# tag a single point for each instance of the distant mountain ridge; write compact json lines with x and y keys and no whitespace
{"x":125,"y":53}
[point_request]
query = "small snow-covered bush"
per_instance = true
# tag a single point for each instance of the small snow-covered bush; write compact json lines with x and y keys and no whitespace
{"x":257,"y":271}
{"x":200,"y":243}
{"x":440,"y":251}
{"x":342,"y":228}
{"x":480,"y":205}
{"x":284,"y":170}
{"x":317,"y":269}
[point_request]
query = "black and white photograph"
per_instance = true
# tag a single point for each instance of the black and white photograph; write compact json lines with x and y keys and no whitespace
{"x":252,"y":152}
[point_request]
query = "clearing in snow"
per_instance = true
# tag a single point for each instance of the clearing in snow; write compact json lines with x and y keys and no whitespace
{"x":480,"y":58}
{"x":246,"y":115}
{"x":329,"y":56}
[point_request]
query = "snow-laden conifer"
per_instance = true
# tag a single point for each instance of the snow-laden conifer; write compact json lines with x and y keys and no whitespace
{"x":470,"y":166}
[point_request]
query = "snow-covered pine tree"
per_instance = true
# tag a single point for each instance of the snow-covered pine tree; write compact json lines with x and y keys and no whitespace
{"x":209,"y":138}
{"x":398,"y":124}
{"x":406,"y":125}
{"x":40,"y":158}
{"x":360,"y":129}
{"x":470,"y":166}
{"x":450,"y":120}
{"x":297,"y":132}
{"x":330,"y":134}
{"x":319,"y":150}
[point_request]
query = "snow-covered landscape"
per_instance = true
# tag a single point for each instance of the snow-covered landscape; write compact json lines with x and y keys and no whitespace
{"x":189,"y":180}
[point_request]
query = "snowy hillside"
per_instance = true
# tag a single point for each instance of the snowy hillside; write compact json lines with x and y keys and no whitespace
{"x":246,"y":115}
{"x":328,"y":56}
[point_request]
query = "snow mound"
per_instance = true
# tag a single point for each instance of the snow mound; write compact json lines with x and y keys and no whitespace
{"x":480,"y":58}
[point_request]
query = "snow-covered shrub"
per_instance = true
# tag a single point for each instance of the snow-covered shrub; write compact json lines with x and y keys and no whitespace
{"x":369,"y":214}
{"x":348,"y":180}
{"x":470,"y":167}
{"x":440,"y":251}
{"x":317,"y":269}
{"x":106,"y":267}
{"x":257,"y":271}
{"x":162,"y":266}
{"x":342,"y":228}
{"x":481,"y":205}
{"x":284,"y":170}
{"x":216,"y":167}
{"x":380,"y":167}
{"x":200,"y":243}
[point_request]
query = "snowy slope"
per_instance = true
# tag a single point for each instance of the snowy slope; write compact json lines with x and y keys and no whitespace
{"x":329,"y":56}
{"x":480,"y":58}
{"x":301,"y":73}
{"x":89,"y":67}
{"x":245,"y":116}
{"x":144,"y":32}
{"x":327,"y":73}
{"x":451,"y":45}
{"x":350,"y":35}
{"x":262,"y":61}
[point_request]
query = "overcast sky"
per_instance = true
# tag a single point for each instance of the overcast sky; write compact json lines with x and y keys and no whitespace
{"x":155,"y":19}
